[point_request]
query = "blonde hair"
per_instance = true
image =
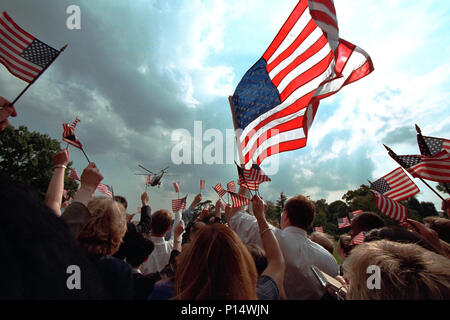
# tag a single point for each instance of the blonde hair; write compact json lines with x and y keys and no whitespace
{"x":107,"y":225}
{"x":215,"y":265}
{"x":408,"y":272}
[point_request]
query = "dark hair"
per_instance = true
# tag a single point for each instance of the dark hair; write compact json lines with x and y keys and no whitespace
{"x":366,"y":221}
{"x":139,"y":249}
{"x":259,"y":256}
{"x":440,"y":225}
{"x":161,"y":222}
{"x":345,"y":242}
{"x":37,"y":247}
{"x":398,"y":234}
{"x":127,"y":241}
{"x":122,"y":200}
{"x":300,"y":211}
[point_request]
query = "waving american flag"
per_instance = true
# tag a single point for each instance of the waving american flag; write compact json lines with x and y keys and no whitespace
{"x":275,"y":102}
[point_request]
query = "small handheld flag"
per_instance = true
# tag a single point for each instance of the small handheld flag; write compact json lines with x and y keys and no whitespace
{"x":74,"y":175}
{"x":231,"y":186}
{"x":238,"y":200}
{"x":391,"y":208}
{"x":352,"y":214}
{"x":179,"y":204}
{"x":318,"y":229}
{"x":395,"y":185}
{"x":202,"y":185}
{"x":220,"y":190}
{"x":343,"y":223}
{"x":105,"y":189}
{"x":176,"y":187}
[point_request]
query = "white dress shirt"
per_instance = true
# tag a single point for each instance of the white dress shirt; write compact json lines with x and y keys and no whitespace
{"x":160,"y":256}
{"x":299,"y":253}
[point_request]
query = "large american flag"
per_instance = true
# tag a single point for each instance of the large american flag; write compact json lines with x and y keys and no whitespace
{"x":220,"y":190}
{"x":69,"y":134}
{"x":396,"y":185}
{"x":178,"y":204}
{"x":105,"y":189}
{"x":74,"y":175}
{"x":391,"y":208}
{"x":343,"y":223}
{"x":276,"y":101}
{"x":251,"y":178}
{"x":435,"y":168}
{"x":238,"y":200}
{"x":21,"y":53}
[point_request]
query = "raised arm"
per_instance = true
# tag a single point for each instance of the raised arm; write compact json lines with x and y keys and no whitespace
{"x":77,"y":214}
{"x":55,"y":190}
{"x":275,"y":260}
{"x":6,"y":111}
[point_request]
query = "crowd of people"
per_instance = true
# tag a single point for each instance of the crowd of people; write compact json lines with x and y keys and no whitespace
{"x":223,"y":253}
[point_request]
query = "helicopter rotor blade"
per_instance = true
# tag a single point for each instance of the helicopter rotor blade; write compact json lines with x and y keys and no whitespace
{"x":145,"y":169}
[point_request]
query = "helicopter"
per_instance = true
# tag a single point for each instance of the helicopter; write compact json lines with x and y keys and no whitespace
{"x":155,"y":178}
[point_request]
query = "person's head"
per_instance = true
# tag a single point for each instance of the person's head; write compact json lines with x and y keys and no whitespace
{"x":161,"y":222}
{"x":38,"y":250}
{"x":139,"y":250}
{"x":122,"y":200}
{"x":397,"y":234}
{"x":324,"y":240}
{"x":215,"y":264}
{"x":440,"y":225}
{"x":365,"y":221}
{"x":259,"y":256}
{"x":107,"y":225}
{"x":406,"y":272}
{"x":299,"y":211}
{"x":344,"y":246}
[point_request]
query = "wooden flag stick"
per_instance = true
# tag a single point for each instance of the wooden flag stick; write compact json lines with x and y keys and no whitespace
{"x":40,"y":73}
{"x":403,"y":166}
{"x":85,"y":155}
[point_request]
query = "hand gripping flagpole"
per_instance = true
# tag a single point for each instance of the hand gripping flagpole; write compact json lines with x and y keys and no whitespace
{"x":39,"y":74}
{"x":394,"y":156}
{"x":419,"y":136}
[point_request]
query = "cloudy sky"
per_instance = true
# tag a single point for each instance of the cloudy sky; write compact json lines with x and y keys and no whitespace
{"x":138,"y":70}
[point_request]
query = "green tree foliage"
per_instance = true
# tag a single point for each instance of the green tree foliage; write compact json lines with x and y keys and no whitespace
{"x":443,"y":187}
{"x":27,"y":156}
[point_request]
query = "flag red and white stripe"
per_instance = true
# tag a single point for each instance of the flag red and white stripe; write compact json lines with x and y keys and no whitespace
{"x":238,"y":200}
{"x":251,"y":178}
{"x":202,"y":184}
{"x":352,"y":214}
{"x":69,"y":134}
{"x":396,"y":185}
{"x":178,"y":204}
{"x":176,"y":187}
{"x":220,"y":190}
{"x":343,"y":222}
{"x":148,"y":179}
{"x":391,"y":208}
{"x":358,"y":239}
{"x":74,"y":175}
{"x":231,"y":186}
{"x":434,"y":168}
{"x":21,"y":53}
{"x":105,"y":189}
{"x":304,"y":67}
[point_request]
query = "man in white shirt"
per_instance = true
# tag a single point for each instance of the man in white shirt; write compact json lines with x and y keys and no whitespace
{"x":300,"y":253}
{"x":161,"y":223}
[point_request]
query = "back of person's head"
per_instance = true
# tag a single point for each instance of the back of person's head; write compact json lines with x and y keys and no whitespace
{"x":138,"y":250}
{"x":37,"y":250}
{"x":407,"y":272}
{"x":440,"y":225}
{"x":324,"y":240}
{"x":365,"y":221}
{"x":215,"y":264}
{"x":397,"y":234}
{"x":161,"y":222}
{"x":122,"y":200}
{"x":259,"y":256}
{"x":105,"y":229}
{"x":300,"y":211}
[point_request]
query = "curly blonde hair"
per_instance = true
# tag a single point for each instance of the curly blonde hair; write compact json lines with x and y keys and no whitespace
{"x":104,"y":232}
